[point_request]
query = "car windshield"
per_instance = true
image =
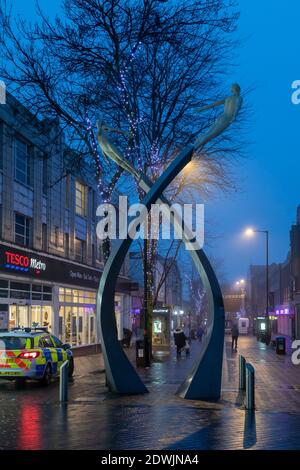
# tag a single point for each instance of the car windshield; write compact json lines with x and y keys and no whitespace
{"x":12,"y":342}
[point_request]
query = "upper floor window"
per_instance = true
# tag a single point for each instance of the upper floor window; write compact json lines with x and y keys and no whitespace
{"x":79,"y":250}
{"x":22,"y":162}
{"x":80,"y":198}
{"x":45,"y":173}
{"x":1,"y":145}
{"x":22,"y":230}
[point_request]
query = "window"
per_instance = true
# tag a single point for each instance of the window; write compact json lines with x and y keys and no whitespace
{"x":56,"y":232}
{"x":1,"y":144}
{"x":67,"y":245}
{"x":46,"y":342}
{"x":19,"y":290}
{"x":36,"y":293}
{"x":13,"y":342}
{"x":45,"y":174}
{"x":80,"y":198}
{"x":57,"y":342}
{"x":4,"y":289}
{"x":93,"y":255}
{"x":22,"y":162}
{"x":67,"y":191}
{"x":22,"y":230}
{"x":94,"y":204}
{"x":44,"y":237}
{"x":79,"y":250}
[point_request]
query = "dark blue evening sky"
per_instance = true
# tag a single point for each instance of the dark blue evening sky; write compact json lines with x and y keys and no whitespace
{"x":268,"y":178}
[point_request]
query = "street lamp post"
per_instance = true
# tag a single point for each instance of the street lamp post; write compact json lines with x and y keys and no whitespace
{"x":250,"y":232}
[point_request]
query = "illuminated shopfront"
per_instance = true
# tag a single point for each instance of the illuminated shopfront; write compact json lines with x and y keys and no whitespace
{"x":161,"y":328}
{"x":77,"y":316}
{"x":40,"y":290}
{"x":26,"y":303}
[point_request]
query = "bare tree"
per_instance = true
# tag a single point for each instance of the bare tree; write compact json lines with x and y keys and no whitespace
{"x":142,"y":65}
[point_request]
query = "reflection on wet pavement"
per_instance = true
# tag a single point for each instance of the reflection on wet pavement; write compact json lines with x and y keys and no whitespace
{"x":33,"y":418}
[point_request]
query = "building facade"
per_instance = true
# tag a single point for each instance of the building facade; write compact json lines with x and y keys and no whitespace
{"x":295,"y":272}
{"x":281,"y":311}
{"x":50,"y":258}
{"x":234,"y":303}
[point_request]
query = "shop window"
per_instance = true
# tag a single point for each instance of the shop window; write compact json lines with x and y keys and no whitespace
{"x":77,"y":325}
{"x":61,"y":294}
{"x":46,"y":317}
{"x":47,"y":293}
{"x":68,"y":295}
{"x":19,"y":290}
{"x":22,"y":162}
{"x":47,"y":289}
{"x":36,"y":293}
{"x":22,"y":230}
{"x":23,"y":319}
{"x":3,"y":289}
{"x":67,"y":325}
{"x":47,"y":296}
{"x":74,"y":340}
{"x":92,"y":330}
{"x":80,"y":199}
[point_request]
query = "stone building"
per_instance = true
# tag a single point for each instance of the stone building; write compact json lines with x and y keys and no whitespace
{"x":50,"y":258}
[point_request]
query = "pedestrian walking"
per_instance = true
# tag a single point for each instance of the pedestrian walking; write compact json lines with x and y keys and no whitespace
{"x":235,"y":335}
{"x":179,"y":340}
{"x":187,"y":333}
{"x":200,"y":333}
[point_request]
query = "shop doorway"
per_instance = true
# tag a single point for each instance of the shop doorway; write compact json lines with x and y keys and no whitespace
{"x":77,"y":325}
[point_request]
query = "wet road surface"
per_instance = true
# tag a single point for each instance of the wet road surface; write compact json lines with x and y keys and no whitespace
{"x":33,"y":418}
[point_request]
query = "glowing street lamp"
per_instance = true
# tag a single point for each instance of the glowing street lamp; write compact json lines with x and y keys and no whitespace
{"x":249,"y":232}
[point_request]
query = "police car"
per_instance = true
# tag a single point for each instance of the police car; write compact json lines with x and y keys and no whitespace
{"x":32,"y":353}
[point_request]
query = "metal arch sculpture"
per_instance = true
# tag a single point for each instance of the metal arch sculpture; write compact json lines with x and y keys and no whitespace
{"x":204,"y":380}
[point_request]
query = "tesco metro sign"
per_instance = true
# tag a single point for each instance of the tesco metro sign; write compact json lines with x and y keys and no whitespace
{"x":24,"y":262}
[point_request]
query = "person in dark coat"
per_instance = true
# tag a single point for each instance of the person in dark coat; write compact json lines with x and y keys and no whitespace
{"x":179,"y":339}
{"x":235,"y":335}
{"x":200,"y":333}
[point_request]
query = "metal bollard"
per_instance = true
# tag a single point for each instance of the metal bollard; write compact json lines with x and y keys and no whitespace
{"x":242,"y":372}
{"x":63,"y":381}
{"x":250,"y":388}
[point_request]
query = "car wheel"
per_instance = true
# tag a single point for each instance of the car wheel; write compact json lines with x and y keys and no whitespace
{"x":47,"y":376}
{"x":71,"y":367}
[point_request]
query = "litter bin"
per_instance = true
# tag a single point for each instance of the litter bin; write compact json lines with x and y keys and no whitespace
{"x":139,"y":353}
{"x":280,"y":345}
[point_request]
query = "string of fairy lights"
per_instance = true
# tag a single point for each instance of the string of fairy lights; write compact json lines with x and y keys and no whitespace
{"x":133,"y":123}
{"x":132,"y":120}
{"x":105,"y":192}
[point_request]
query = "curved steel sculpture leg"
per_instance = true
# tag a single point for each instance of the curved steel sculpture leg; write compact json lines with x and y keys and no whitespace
{"x":204,"y":381}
